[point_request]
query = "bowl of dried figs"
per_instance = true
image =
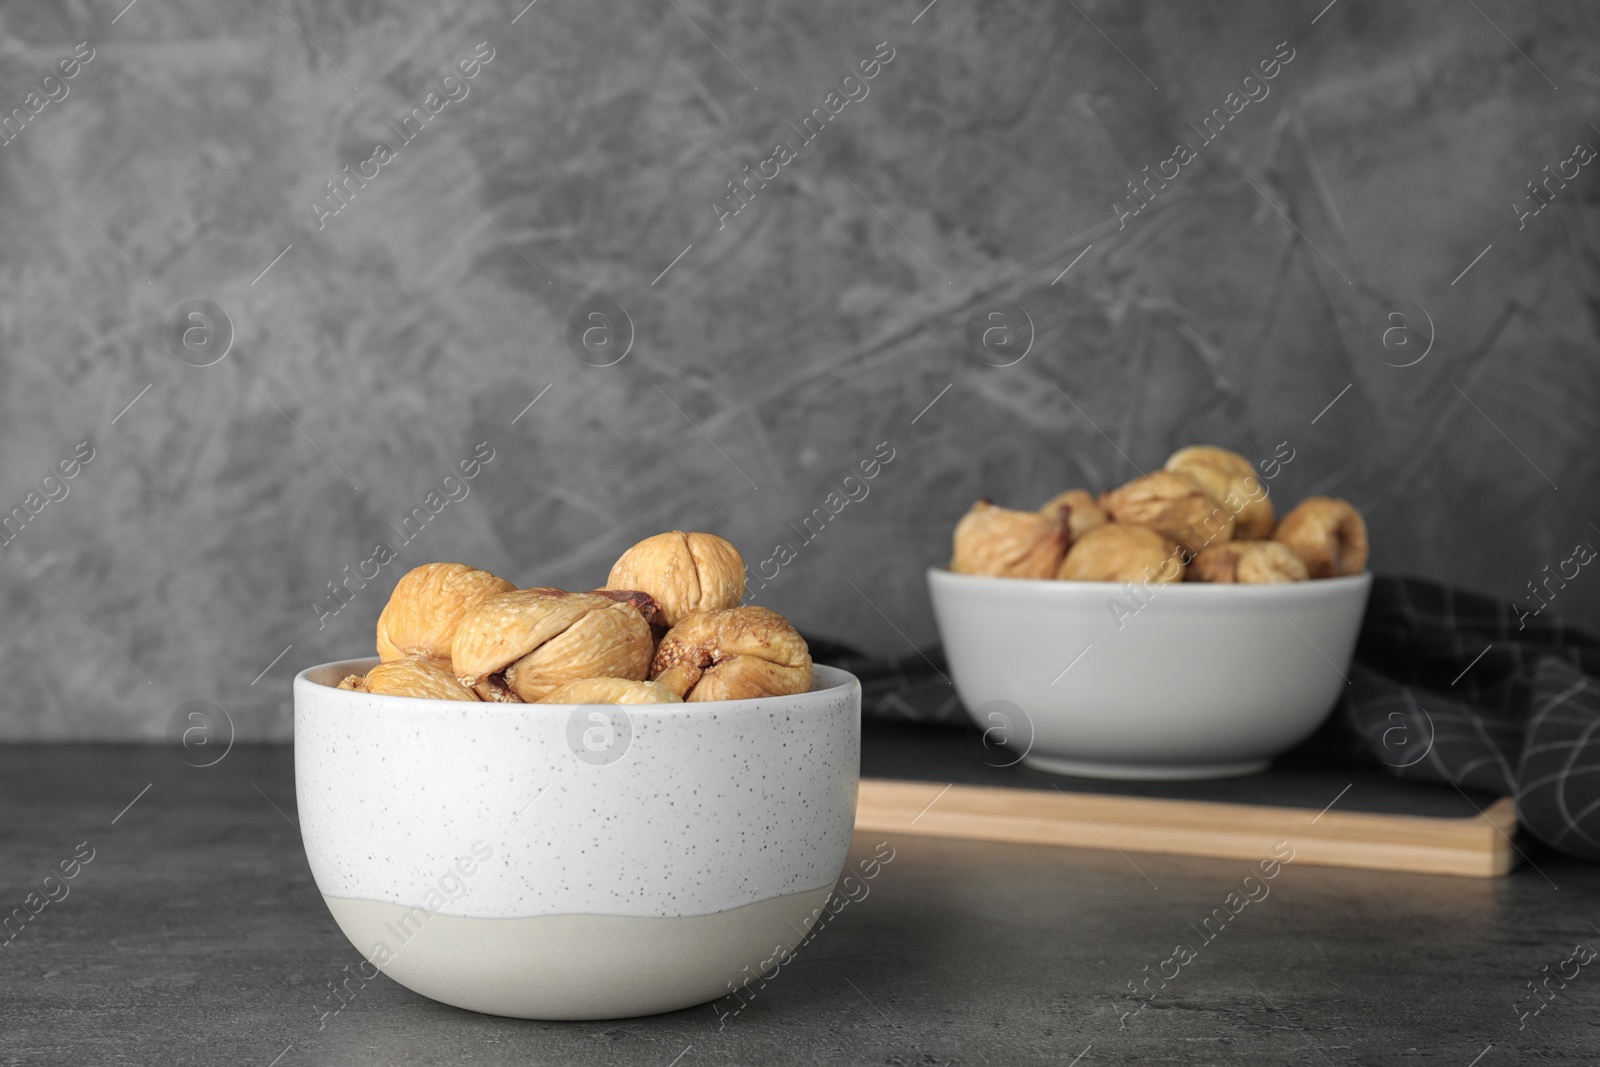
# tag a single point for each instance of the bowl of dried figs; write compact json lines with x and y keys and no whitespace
{"x":555,"y":804}
{"x":1174,"y":627}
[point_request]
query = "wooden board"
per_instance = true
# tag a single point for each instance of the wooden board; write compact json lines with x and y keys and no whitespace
{"x":925,"y":781}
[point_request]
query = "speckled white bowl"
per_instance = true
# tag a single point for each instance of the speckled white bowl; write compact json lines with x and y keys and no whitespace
{"x":560,"y":862}
{"x":1174,"y":681}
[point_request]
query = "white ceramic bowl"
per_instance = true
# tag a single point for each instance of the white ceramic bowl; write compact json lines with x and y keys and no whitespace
{"x":1183,"y":681}
{"x":562,"y":862}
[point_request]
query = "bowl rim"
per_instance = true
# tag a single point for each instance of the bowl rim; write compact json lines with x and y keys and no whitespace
{"x":841,"y":679}
{"x":1065,"y":587}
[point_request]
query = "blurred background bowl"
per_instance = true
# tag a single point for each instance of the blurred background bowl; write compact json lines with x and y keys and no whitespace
{"x":554,"y":861}
{"x":1174,"y":681}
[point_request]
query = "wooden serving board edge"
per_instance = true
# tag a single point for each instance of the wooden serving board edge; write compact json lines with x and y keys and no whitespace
{"x":1477,"y":846}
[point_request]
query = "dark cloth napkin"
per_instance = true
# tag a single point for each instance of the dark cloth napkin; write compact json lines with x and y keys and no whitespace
{"x":1447,"y":686}
{"x":1453,"y":687}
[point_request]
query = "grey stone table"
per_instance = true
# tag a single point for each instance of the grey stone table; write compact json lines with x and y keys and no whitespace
{"x":194,"y":935}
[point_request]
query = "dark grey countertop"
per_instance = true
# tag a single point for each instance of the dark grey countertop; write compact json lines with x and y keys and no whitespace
{"x":195,"y":936}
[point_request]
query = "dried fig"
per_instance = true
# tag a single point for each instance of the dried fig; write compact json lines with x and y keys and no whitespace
{"x":1248,"y":563}
{"x":1174,"y":505}
{"x":733,"y":654}
{"x":1082,"y":512}
{"x":1117,"y":552}
{"x":1004,"y":543}
{"x":611,"y":691}
{"x":1228,"y":478}
{"x":1328,"y":535}
{"x":427,"y":605}
{"x":648,"y":606}
{"x":528,"y":642}
{"x":683,"y":572}
{"x":411,"y":678}
{"x":494,"y":690}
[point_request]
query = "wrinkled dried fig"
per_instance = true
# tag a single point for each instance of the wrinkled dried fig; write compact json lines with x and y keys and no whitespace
{"x":1117,"y":552}
{"x":410,"y":678}
{"x":427,"y":605}
{"x":1004,"y":543}
{"x":494,"y":690}
{"x":733,"y":654}
{"x":648,"y":606}
{"x":611,"y":691}
{"x":1082,"y":512}
{"x":684,"y":572}
{"x":1248,"y":563}
{"x":1228,"y":478}
{"x":528,"y":642}
{"x":1328,"y":535}
{"x":1174,"y":505}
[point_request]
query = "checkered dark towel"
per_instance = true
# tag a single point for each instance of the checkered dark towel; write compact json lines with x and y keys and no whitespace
{"x":914,"y":688}
{"x":1453,"y":687}
{"x":1445,"y":687}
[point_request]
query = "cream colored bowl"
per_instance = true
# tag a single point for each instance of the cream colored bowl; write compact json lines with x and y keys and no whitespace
{"x":1171,"y":681}
{"x":564,"y":862}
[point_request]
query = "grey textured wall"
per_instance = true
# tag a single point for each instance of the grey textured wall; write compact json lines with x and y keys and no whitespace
{"x":786,"y":342}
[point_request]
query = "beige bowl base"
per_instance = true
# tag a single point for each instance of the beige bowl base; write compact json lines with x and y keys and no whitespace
{"x":575,"y":966}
